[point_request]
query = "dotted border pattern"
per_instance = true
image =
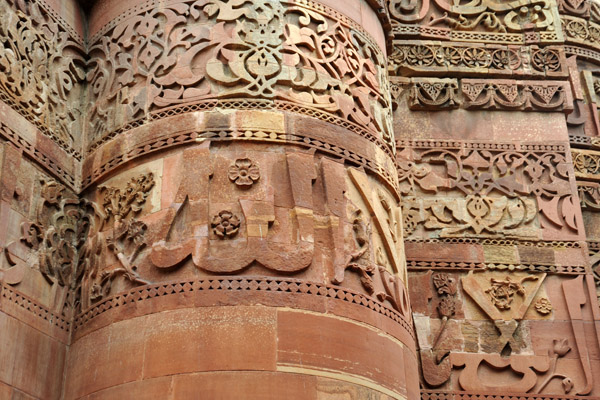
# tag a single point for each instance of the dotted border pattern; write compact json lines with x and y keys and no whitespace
{"x":249,"y":284}
{"x":33,"y":307}
{"x":439,"y":395}
{"x":418,"y":265}
{"x":32,"y":151}
{"x":178,"y":138}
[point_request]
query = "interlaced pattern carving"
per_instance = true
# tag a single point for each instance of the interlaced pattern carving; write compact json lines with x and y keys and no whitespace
{"x":495,"y":190}
{"x":41,"y":72}
{"x":409,"y":56}
{"x":262,"y":49}
{"x":480,"y":20}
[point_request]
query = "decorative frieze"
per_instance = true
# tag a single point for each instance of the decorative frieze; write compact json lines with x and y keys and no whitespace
{"x":461,"y":189}
{"x":442,"y":94}
{"x":299,"y":53}
{"x":42,"y":70}
{"x":479,"y":21}
{"x":443,"y":59}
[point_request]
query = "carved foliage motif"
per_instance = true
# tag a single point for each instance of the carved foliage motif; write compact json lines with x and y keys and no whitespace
{"x":411,"y":56}
{"x":498,"y":190}
{"x":439,"y":94}
{"x":264,"y":49}
{"x":586,"y":163}
{"x":70,"y":237}
{"x":581,"y":31}
{"x":256,"y":227}
{"x":580,"y":8}
{"x":434,"y":94}
{"x":41,"y":71}
{"x":485,"y":20}
{"x":502,"y":291}
{"x":589,"y":196}
{"x":509,"y":95}
{"x":377,"y":254}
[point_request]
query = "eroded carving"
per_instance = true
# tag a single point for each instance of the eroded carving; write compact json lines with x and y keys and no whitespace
{"x":500,"y":190}
{"x":502,"y":291}
{"x":457,"y":58}
{"x":41,"y":72}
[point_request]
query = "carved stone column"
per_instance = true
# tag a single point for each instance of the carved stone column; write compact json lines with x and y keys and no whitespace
{"x":243,"y":235}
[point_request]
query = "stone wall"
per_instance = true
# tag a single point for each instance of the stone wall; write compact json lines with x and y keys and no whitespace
{"x":299,"y":199}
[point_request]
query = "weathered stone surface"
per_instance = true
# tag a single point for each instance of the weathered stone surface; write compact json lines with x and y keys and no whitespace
{"x":316,"y":199}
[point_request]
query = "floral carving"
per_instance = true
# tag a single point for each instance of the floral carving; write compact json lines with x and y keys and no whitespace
{"x":359,"y":259}
{"x":225,"y":224}
{"x":559,"y":349}
{"x":262,"y":49}
{"x":543,"y":306}
{"x":434,"y":58}
{"x":586,"y":163}
{"x":589,"y":195}
{"x":480,"y":21}
{"x":118,"y":203}
{"x":502,"y":291}
{"x":70,"y":236}
{"x":509,"y":95}
{"x":546,"y":60}
{"x":501,"y":188}
{"x":41,"y":72}
{"x":446,"y":288}
{"x":51,"y":191}
{"x":244,"y":172}
{"x":434,"y":94}
{"x":582,"y":31}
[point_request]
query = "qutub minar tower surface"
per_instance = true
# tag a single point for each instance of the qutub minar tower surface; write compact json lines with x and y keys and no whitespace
{"x":299,"y":199}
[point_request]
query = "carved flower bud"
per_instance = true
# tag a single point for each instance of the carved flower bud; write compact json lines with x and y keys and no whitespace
{"x":244,"y":172}
{"x":225,"y":224}
{"x":567,"y":384}
{"x":561,"y":347}
{"x":447,"y":307}
{"x":135,"y":232}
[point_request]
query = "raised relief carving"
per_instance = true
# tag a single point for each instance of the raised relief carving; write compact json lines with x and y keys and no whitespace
{"x":508,"y":95}
{"x":292,"y":52}
{"x":482,"y":20}
{"x":293,"y":251}
{"x":244,"y":173}
{"x":574,"y":291}
{"x":575,"y":7}
{"x":41,"y":72}
{"x":502,"y":291}
{"x":377,"y":243}
{"x":446,"y":288}
{"x":500,"y":190}
{"x":581,"y":31}
{"x":225,"y":224}
{"x":71,"y":237}
{"x":559,"y":349}
{"x":497,"y":301}
{"x":433,"y":94}
{"x":543,"y":306}
{"x":440,"y":59}
{"x":440,"y":94}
